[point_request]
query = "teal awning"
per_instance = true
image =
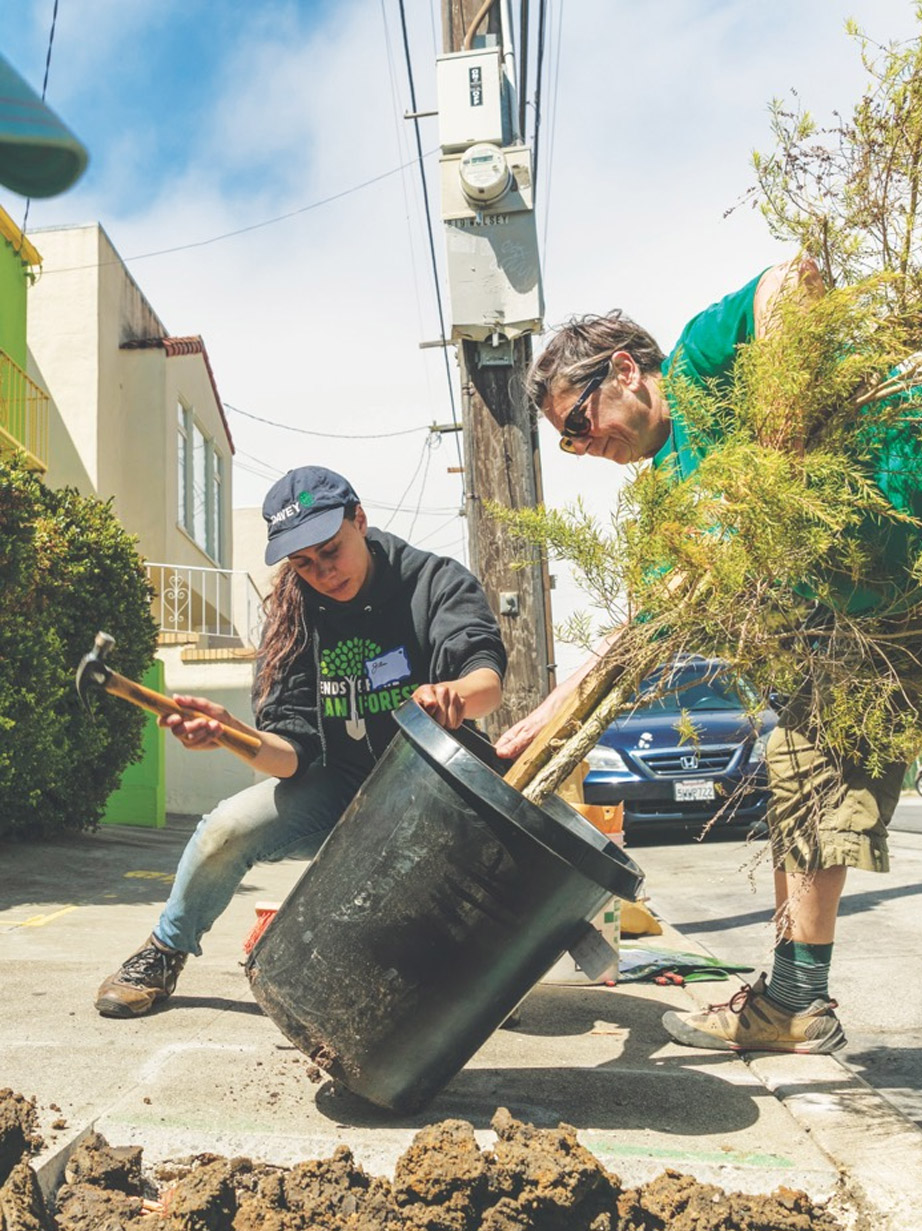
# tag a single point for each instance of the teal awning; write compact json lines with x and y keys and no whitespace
{"x":39,"y":155}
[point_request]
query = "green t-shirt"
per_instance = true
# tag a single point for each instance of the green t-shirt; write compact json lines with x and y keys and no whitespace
{"x":706,"y":351}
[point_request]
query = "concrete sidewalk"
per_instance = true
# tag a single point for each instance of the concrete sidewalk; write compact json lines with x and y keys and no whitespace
{"x":211,"y":1073}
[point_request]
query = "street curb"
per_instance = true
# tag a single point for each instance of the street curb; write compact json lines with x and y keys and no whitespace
{"x":869,"y":1140}
{"x":872,"y":1142}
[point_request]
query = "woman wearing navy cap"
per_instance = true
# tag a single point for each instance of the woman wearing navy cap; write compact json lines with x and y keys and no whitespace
{"x":358,"y":622}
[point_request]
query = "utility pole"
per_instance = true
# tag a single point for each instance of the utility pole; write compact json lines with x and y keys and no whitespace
{"x":501,"y":461}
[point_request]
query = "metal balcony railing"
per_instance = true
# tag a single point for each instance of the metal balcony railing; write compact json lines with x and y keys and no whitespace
{"x":221,"y":605}
{"x":23,"y":414}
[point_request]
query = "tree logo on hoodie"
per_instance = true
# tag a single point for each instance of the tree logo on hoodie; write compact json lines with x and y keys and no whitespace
{"x":358,"y":678}
{"x":347,"y":662}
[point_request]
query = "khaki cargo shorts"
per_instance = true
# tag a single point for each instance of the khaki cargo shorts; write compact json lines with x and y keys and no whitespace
{"x":822,"y":814}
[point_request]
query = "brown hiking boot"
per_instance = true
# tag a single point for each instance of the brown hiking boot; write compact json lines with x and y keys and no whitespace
{"x":149,"y":975}
{"x":751,"y":1021}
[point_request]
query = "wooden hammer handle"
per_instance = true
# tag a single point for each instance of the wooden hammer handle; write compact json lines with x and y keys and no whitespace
{"x":235,"y":741}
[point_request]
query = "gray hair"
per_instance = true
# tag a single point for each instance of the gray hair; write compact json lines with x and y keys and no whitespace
{"x":582,"y":346}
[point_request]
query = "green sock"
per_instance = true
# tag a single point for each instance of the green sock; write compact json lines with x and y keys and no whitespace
{"x":800,"y":974}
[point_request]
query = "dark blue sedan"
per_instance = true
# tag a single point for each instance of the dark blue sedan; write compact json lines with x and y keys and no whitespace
{"x":662,"y":777}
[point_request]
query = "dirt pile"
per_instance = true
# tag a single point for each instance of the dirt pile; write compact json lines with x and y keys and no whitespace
{"x":18,"y":1130}
{"x":531,"y":1180}
{"x":21,"y":1204}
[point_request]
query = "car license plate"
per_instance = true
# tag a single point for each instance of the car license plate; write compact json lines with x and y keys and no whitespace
{"x":694,"y":788}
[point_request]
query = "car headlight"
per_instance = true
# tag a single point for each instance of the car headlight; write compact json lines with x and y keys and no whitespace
{"x":757,"y":755}
{"x":602,"y":757}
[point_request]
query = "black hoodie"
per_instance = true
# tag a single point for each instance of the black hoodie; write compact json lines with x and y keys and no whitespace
{"x":425,"y":619}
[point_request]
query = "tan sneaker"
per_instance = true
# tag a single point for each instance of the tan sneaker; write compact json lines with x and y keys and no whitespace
{"x":149,"y":975}
{"x":750,"y":1021}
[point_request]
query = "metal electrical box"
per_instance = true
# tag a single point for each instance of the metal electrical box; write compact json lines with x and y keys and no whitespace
{"x":518,"y":197}
{"x":469,"y":98}
{"x":494,"y":273}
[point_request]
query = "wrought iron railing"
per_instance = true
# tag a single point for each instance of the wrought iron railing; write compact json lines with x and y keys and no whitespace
{"x":23,"y":414}
{"x":222,"y":605}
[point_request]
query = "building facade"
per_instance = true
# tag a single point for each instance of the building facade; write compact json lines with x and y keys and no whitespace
{"x":23,"y":404}
{"x":135,"y":417}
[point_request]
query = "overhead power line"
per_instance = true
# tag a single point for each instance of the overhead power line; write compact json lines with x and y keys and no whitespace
{"x":265,"y":470}
{"x":550,"y":152}
{"x":523,"y":72}
{"x":254,"y":226}
{"x":400,"y":134}
{"x":304,"y":431}
{"x":422,"y":174}
{"x":438,"y":530}
{"x":422,"y":457}
{"x":539,"y":73}
{"x":54,"y":22}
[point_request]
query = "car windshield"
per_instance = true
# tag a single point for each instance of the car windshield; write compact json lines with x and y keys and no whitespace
{"x":696,"y":688}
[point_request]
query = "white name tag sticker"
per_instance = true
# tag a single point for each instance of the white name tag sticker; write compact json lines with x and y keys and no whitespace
{"x":389,"y":668}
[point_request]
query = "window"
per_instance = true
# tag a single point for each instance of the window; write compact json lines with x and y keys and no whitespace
{"x":216,"y":521}
{"x":182,"y":457}
{"x":199,"y":487}
{"x":200,"y":484}
{"x":700,"y":686}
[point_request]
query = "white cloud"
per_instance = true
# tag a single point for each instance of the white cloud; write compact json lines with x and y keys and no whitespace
{"x":316,"y":321}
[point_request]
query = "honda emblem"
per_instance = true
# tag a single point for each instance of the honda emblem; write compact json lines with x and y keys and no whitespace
{"x":690,"y":762}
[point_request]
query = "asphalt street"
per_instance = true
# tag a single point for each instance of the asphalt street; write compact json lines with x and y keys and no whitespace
{"x":718,"y":892}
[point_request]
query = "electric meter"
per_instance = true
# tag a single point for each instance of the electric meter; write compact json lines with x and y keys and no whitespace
{"x":485,"y":174}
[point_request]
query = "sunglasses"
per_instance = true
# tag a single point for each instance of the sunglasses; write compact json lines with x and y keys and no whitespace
{"x":577,"y":424}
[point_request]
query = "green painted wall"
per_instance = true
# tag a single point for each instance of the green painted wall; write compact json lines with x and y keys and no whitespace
{"x":141,"y":798}
{"x":13,"y":282}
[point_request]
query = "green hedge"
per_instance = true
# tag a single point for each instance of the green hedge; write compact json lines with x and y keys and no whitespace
{"x":67,"y":569}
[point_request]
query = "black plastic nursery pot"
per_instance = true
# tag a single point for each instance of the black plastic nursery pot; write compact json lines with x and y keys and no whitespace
{"x":438,"y":901}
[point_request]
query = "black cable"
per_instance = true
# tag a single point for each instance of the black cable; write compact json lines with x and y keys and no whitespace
{"x":523,"y":75}
{"x":438,"y":530}
{"x":409,"y":431}
{"x":409,"y":207}
{"x":542,"y":22}
{"x":550,"y":153}
{"x":255,"y":226}
{"x":270,"y":472}
{"x":422,"y":490}
{"x":402,"y":497}
{"x":435,"y":267}
{"x":54,"y":22}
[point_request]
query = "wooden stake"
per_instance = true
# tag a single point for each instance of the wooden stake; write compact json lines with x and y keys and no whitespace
{"x":592,"y":690}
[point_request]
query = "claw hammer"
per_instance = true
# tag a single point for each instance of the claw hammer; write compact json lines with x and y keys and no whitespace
{"x":94,"y":671}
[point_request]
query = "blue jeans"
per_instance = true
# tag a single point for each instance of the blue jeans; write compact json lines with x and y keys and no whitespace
{"x":273,"y":820}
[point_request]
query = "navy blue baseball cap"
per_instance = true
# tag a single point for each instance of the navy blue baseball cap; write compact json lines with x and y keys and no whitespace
{"x":305,"y":508}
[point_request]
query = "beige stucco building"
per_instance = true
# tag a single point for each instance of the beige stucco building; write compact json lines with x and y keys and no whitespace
{"x":135,"y":416}
{"x":135,"y":413}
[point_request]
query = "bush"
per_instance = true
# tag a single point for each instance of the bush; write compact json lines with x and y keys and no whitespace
{"x":67,"y":569}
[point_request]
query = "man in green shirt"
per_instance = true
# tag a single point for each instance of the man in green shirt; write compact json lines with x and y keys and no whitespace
{"x":600,"y":383}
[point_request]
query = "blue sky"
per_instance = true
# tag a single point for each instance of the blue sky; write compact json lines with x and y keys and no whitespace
{"x":205,"y":118}
{"x":149,"y":76}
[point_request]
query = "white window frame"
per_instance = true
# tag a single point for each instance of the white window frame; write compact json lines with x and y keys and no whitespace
{"x":213,"y":529}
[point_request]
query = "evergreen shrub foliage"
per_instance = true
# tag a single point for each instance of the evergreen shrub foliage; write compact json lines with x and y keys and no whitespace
{"x":67,"y":569}
{"x":778,"y":552}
